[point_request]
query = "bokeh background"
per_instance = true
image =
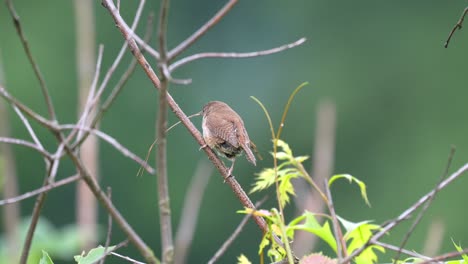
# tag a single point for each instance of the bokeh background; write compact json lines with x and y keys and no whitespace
{"x":401,"y":101}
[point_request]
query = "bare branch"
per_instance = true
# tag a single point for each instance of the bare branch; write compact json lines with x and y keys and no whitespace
{"x":28,"y":127}
{"x":458,"y":25}
{"x":113,"y":142}
{"x":127,"y":258}
{"x":340,"y":243}
{"x":234,"y":55}
{"x":426,"y":205}
{"x":190,"y":210}
{"x":234,"y":235}
{"x":43,"y":189}
{"x":38,"y":118}
{"x":35,"y":215}
{"x":445,"y":256}
{"x":202,"y":30}
{"x":396,"y":249}
{"x":408,"y":212}
{"x":165,"y":222}
{"x":35,"y":66}
{"x":109,"y":229}
{"x":118,"y":87}
{"x":28,"y":144}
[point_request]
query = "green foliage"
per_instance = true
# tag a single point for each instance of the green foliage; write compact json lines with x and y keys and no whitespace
{"x":311,"y":225}
{"x":45,"y":259}
{"x":243,"y":260}
{"x":460,"y":249}
{"x":351,"y":179}
{"x":357,"y":235}
{"x":93,"y":255}
{"x":287,"y":170}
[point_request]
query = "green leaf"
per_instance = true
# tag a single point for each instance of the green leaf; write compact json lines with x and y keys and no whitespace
{"x":286,"y":188}
{"x":281,"y":155}
{"x":359,"y":234}
{"x":242,"y":259}
{"x":263,"y":180}
{"x":351,"y":179}
{"x":300,"y":159}
{"x":313,"y":226}
{"x":45,"y":259}
{"x":263,"y":244}
{"x":94,"y":255}
{"x":460,"y":249}
{"x":283,"y":145}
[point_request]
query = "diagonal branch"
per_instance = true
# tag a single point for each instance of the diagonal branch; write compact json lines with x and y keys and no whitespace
{"x":231,"y":181}
{"x":234,"y":55}
{"x":113,"y":142}
{"x":27,"y":50}
{"x":21,"y":142}
{"x":202,"y":30}
{"x":408,"y":212}
{"x":43,"y":189}
{"x":458,"y":26}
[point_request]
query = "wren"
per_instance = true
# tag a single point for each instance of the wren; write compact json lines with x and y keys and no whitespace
{"x":224,"y":132}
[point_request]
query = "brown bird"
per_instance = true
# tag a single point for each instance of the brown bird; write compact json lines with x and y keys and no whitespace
{"x":224,"y":131}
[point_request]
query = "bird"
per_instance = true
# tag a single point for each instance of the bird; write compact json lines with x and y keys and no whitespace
{"x":224,"y":132}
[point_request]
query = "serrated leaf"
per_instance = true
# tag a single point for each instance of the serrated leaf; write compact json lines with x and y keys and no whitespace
{"x":284,"y":146}
{"x":263,"y":244}
{"x":358,"y":234}
{"x":313,"y":226}
{"x":351,"y":179}
{"x":242,"y":259}
{"x":286,"y":189}
{"x":93,"y":255}
{"x":45,"y":259}
{"x":263,"y":180}
{"x":280,"y":155}
{"x":301,"y":159}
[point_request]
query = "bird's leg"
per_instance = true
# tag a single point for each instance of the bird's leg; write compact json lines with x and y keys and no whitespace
{"x":231,"y":168}
{"x":203,"y":146}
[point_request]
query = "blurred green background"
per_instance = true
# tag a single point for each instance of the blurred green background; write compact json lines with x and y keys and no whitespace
{"x":401,"y":101}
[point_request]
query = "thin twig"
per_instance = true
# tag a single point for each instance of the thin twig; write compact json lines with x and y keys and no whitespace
{"x":458,"y":25}
{"x":127,"y":258}
{"x":445,"y":256}
{"x":235,"y":234}
{"x":109,"y":229}
{"x":407,"y":213}
{"x":190,"y":210}
{"x":86,"y":104}
{"x":234,"y":55}
{"x":417,"y":220}
{"x":35,"y":216}
{"x":405,"y":251}
{"x":28,"y":144}
{"x":202,"y":30}
{"x":28,"y":111}
{"x":106,"y":253}
{"x":43,"y":189}
{"x":165,"y":222}
{"x":28,"y":127}
{"x":119,"y":86}
{"x":340,"y":243}
{"x":114,"y":143}
{"x":35,"y":66}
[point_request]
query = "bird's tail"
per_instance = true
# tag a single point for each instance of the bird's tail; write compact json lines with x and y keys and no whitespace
{"x":249,"y":154}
